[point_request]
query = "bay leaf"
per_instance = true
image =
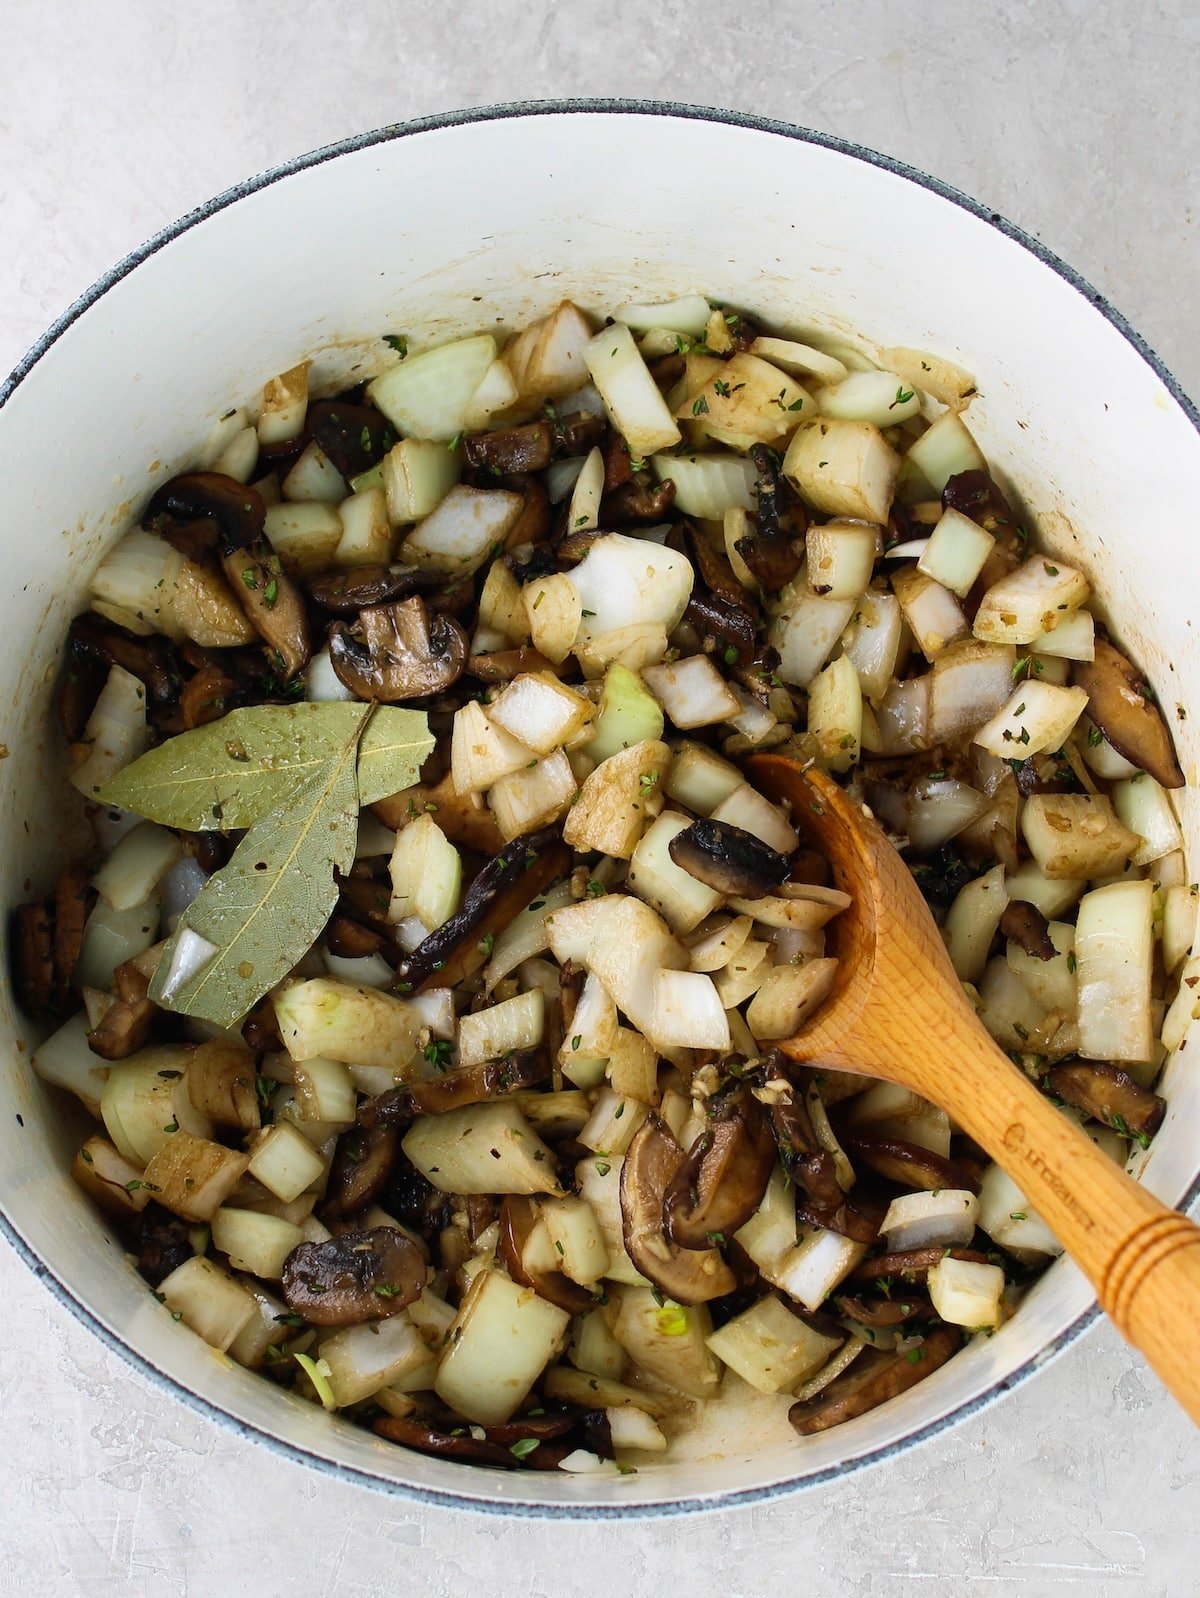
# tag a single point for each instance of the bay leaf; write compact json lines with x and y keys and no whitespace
{"x":266,"y":908}
{"x":232,"y":772}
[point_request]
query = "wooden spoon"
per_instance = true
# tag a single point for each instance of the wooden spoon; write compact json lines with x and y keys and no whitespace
{"x":897,"y":1010}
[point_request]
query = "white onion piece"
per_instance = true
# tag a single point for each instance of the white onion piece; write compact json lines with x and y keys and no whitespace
{"x":561,"y":477}
{"x":909,"y":550}
{"x":363,"y":971}
{"x":189,"y":957}
{"x":946,"y":1219}
{"x":322,"y":684}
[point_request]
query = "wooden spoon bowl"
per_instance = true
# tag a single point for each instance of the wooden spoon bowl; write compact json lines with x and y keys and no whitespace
{"x":898,"y":1011}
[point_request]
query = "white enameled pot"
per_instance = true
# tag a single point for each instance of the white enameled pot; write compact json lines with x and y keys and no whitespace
{"x":485,"y":220}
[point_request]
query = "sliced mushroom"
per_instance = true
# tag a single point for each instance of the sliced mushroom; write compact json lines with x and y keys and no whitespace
{"x":976,"y":494}
{"x":272,"y":602}
{"x":775,"y":550}
{"x":505,"y":664}
{"x":639,"y":502}
{"x":398,"y":652}
{"x":153,"y":661}
{"x":518,"y":1217}
{"x":457,"y":1443}
{"x":504,"y":887}
{"x":359,"y":1276}
{"x":1107,"y":1093}
{"x":164,"y":1243}
{"x":532,"y":526}
{"x":206,"y":696}
{"x":349,"y":939}
{"x":877,"y":1312}
{"x":532,"y":447}
{"x":687,"y":1275}
{"x":126,"y":1025}
{"x":859,"y":1218}
{"x":362,"y":1163}
{"x":730,"y":621}
{"x":724,"y":1174}
{"x":713,"y":567}
{"x":1120,"y":703}
{"x":347,"y":592}
{"x":454,"y":1091}
{"x":866,"y":1386}
{"x":908,"y":1163}
{"x":74,"y":897}
{"x":729,"y":859}
{"x":202,"y":513}
{"x":807,"y":1162}
{"x":1025,"y":924}
{"x":575,"y":546}
{"x":910,"y":1265}
{"x":38,"y":988}
{"x":83,"y":676}
{"x":354,"y":437}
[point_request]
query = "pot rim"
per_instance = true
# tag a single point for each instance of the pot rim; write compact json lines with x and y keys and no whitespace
{"x":506,"y":111}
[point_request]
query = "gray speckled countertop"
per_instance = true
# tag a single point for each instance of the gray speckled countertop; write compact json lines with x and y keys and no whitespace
{"x":1076,"y":118}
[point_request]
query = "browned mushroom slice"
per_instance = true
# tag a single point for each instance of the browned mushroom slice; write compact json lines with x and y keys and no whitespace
{"x":125,"y":1026}
{"x":472,"y":1085}
{"x":458,"y":1443}
{"x":687,"y":1275}
{"x":354,"y":437}
{"x":1025,"y":924}
{"x":532,"y":526}
{"x":618,"y":463}
{"x":502,"y":889}
{"x":362,"y":1163}
{"x":639,"y":502}
{"x":518,"y":1217}
{"x":859,"y":1218}
{"x":775,"y":550}
{"x":976,"y":494}
{"x":809,"y":1165}
{"x":73,"y":899}
{"x":720,"y":618}
{"x":512,"y":449}
{"x":272,"y":602}
{"x":153,"y":661}
{"x":911,"y":1264}
{"x":729,"y":859}
{"x":1120,"y":703}
{"x":83,"y":676}
{"x":398,"y":652}
{"x":38,"y":988}
{"x":164,"y":1243}
{"x":876,"y":1312}
{"x":206,"y":696}
{"x":575,"y":546}
{"x":345,"y":593}
{"x":724,"y":1174}
{"x":713,"y":567}
{"x":359,"y":1276}
{"x":505,"y":664}
{"x":461,"y":818}
{"x":908,"y":1163}
{"x":1107,"y":1093}
{"x":866,"y":1386}
{"x":203,"y":513}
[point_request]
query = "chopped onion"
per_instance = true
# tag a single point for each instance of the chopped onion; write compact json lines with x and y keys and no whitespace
{"x":1029,"y":602}
{"x":691,"y":692}
{"x":769,"y":1347}
{"x":879,"y":397}
{"x":835,"y":714}
{"x":967,"y":1293}
{"x":630,"y":394}
{"x":939,"y":809}
{"x":802,"y":360}
{"x":787,"y":997}
{"x":548,"y":358}
{"x":465,"y":528}
{"x":945,"y":1219}
{"x":687,"y":315}
{"x":843,"y":468}
{"x":305,"y":535}
{"x":1145,"y":808}
{"x":322,"y":685}
{"x":681,"y":899}
{"x":1037,"y":717}
{"x":871,"y":641}
{"x":540,"y":712}
{"x":426,"y":873}
{"x":417,"y":474}
{"x":745,"y":807}
{"x":1114,"y":962}
{"x":501,"y":1029}
{"x":481,"y":753}
{"x":429,"y":395}
{"x":497,"y":392}
{"x":314,"y":477}
{"x":115,"y":733}
{"x":1009,"y":1219}
{"x":807,"y":629}
{"x":284,"y":405}
{"x":366,"y":533}
{"x":561,"y":477}
{"x":972,"y":922}
{"x":969,"y":683}
{"x":931,"y":611}
{"x":944,"y":450}
{"x":533,"y":797}
{"x":902,"y":716}
{"x":137,"y":579}
{"x":708,"y":486}
{"x":956,"y":552}
{"x":132,"y":872}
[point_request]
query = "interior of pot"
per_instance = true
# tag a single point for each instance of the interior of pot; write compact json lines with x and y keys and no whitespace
{"x":468,"y":227}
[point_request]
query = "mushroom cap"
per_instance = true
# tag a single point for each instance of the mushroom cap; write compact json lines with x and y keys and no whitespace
{"x":359,"y":1276}
{"x":687,"y":1275}
{"x":729,"y":859}
{"x":1119,"y":704}
{"x":722,"y":1178}
{"x":398,"y":652}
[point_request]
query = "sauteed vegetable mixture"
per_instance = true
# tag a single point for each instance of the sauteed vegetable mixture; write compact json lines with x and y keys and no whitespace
{"x":432,"y":974}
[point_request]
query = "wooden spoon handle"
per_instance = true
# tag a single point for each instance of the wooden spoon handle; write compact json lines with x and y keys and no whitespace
{"x":1142,"y":1258}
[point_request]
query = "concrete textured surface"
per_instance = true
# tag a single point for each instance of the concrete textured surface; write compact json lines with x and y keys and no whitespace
{"x":1076,"y":118}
